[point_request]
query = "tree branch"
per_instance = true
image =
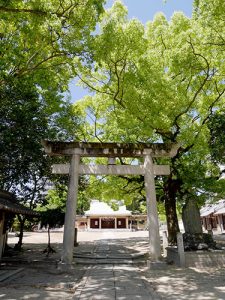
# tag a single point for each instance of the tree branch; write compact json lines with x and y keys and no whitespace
{"x":23,"y":10}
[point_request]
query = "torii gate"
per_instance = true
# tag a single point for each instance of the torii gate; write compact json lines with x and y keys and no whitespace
{"x":76,"y":150}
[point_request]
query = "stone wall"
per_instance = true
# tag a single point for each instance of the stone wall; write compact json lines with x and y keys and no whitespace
{"x":197,"y":259}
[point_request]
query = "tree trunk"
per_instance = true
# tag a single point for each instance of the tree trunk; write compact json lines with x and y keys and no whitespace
{"x":22,"y":220}
{"x":49,"y":249}
{"x":49,"y":241}
{"x":170,"y":188}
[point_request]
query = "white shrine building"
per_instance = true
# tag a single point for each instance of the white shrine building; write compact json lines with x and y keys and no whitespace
{"x":102,"y":216}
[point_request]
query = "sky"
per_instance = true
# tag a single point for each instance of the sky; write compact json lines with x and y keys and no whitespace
{"x":144,"y":10}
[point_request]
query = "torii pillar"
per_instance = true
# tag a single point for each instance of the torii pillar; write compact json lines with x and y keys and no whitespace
{"x":76,"y":150}
{"x":152,"y":212}
{"x":71,"y":208}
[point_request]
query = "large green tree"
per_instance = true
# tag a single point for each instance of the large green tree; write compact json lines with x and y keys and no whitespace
{"x":23,"y":123}
{"x":26,"y":119}
{"x":45,"y":39}
{"x":40,"y":45}
{"x":158,"y":83}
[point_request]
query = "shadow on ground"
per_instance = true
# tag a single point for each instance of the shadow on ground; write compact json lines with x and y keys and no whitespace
{"x":40,"y":278}
{"x":191,"y":284}
{"x":110,"y":282}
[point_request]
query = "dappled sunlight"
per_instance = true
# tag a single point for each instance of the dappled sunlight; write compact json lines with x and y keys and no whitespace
{"x":191,"y":284}
{"x":220,"y":289}
{"x":114,"y":282}
{"x":34,"y":293}
{"x":41,"y":279}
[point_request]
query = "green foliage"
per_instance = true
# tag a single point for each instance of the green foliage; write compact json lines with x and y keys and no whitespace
{"x":66,"y":123}
{"x":52,"y":217}
{"x":46,"y":39}
{"x":161,"y":82}
{"x":83,"y":200}
{"x":23,"y":122}
{"x":217,"y":136}
{"x":28,"y":223}
{"x":40,"y":44}
{"x":144,"y":83}
{"x":161,"y":212}
{"x":56,"y":197}
{"x":127,"y":188}
{"x":52,"y":213}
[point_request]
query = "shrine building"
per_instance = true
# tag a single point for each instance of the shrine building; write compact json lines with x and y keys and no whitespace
{"x":102,"y":216}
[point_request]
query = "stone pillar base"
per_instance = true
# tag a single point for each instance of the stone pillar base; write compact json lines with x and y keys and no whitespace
{"x":65,"y":267}
{"x":156,"y":265}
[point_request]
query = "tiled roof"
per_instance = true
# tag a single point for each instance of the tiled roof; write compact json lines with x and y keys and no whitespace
{"x":220,"y":211}
{"x":216,"y":209}
{"x":9,"y":203}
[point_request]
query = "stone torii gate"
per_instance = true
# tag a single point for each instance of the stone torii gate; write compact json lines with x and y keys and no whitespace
{"x":76,"y":150}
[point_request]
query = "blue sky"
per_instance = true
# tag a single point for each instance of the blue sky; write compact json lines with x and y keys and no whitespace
{"x":144,"y":10}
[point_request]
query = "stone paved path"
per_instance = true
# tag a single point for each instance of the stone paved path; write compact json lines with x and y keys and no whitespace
{"x":114,"y":282}
{"x":108,"y":251}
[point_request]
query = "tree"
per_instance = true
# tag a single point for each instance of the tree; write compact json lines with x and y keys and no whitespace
{"x":130,"y":189}
{"x":40,"y":45}
{"x":23,"y":123}
{"x":50,"y":218}
{"x":57,"y":196}
{"x":53,"y":209}
{"x":23,"y":167}
{"x":45,"y":39}
{"x":161,"y":83}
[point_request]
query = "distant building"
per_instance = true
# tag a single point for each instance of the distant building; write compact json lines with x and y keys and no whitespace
{"x":213,"y":216}
{"x":102,"y":216}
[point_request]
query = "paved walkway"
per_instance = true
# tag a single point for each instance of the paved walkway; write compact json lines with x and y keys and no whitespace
{"x":110,"y":282}
{"x":111,"y":251}
{"x":121,"y":279}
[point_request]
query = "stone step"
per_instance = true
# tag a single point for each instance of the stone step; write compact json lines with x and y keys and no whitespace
{"x":109,"y":259}
{"x":5,"y":274}
{"x":103,"y":261}
{"x":107,"y":256}
{"x":100,"y":256}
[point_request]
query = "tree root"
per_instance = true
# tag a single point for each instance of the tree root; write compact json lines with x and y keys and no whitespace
{"x":48,"y":250}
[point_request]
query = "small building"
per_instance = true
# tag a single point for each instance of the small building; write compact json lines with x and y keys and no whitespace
{"x":102,"y":216}
{"x":213,"y":216}
{"x":8,"y":207}
{"x":138,"y":222}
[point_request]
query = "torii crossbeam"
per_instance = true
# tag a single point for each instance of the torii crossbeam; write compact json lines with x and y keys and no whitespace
{"x":76,"y":150}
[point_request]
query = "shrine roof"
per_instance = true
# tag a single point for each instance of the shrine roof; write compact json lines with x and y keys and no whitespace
{"x":98,"y":208}
{"x":9,"y":203}
{"x":93,"y":149}
{"x":216,"y":209}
